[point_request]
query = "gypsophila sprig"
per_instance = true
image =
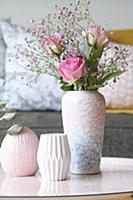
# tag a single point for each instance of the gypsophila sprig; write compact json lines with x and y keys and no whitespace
{"x":69,"y":46}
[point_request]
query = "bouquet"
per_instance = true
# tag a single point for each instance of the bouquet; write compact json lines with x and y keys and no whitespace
{"x":68,"y":45}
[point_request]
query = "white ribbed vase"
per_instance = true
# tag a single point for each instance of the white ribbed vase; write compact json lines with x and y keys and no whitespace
{"x":83,"y":115}
{"x":54,"y":157}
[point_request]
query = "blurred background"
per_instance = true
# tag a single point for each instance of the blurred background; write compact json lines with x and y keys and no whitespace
{"x":45,"y":95}
{"x":118,"y":14}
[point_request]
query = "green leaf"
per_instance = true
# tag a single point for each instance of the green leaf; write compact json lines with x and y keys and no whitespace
{"x":2,"y":105}
{"x":101,"y":83}
{"x":67,"y":87}
{"x":1,"y":82}
{"x":15,"y":129}
{"x":95,"y":87}
{"x":8,"y":116}
{"x":110,"y":76}
{"x":94,"y":57}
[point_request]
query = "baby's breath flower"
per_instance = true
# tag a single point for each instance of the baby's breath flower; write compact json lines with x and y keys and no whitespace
{"x":70,"y":34}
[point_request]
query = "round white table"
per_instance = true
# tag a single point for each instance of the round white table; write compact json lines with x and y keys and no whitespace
{"x":114,"y":182}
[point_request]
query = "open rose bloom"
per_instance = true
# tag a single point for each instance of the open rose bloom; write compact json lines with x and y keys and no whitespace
{"x":72,"y":69}
{"x":72,"y":51}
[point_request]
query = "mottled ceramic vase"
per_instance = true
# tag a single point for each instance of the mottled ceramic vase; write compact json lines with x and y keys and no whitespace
{"x":83,"y":115}
{"x":18,"y":154}
{"x":54,"y":157}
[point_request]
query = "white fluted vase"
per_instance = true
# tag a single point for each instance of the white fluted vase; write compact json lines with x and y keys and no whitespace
{"x":54,"y":157}
{"x":83,"y":115}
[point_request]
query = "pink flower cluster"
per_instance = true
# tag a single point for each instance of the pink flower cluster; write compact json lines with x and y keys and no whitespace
{"x":62,"y":46}
{"x":74,"y":68}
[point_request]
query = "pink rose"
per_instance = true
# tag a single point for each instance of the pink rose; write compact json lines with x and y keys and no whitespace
{"x":72,"y":69}
{"x":98,"y":36}
{"x":52,"y":45}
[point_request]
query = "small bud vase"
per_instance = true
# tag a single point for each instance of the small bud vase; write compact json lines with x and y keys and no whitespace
{"x":18,"y":154}
{"x":54,"y":157}
{"x":83,"y":115}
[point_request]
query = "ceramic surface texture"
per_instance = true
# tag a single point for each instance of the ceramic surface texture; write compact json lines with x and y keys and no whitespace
{"x":19,"y":153}
{"x":54,"y":157}
{"x":83,"y":115}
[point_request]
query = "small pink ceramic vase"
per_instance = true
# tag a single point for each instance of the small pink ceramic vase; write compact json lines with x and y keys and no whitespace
{"x":19,"y":153}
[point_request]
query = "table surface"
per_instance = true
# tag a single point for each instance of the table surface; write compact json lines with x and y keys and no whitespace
{"x":116,"y":178}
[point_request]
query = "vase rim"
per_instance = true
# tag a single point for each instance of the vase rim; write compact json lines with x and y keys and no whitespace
{"x":53,"y":134}
{"x":83,"y":91}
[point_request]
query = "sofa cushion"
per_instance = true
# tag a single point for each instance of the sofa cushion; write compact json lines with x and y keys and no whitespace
{"x":22,"y":91}
{"x":119,"y":94}
{"x":2,"y":56}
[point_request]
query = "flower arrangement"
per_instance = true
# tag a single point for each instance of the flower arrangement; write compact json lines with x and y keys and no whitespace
{"x":68,"y":45}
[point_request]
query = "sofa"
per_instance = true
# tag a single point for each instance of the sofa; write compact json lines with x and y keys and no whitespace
{"x":118,"y":141}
